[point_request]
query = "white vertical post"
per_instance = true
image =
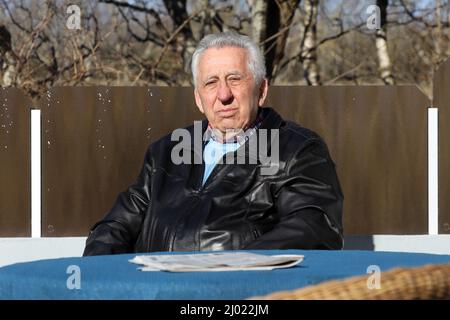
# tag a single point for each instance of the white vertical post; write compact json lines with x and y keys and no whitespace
{"x":35,"y":173}
{"x":433,"y":221}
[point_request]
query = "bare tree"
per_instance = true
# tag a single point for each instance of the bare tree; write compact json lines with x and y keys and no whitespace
{"x":39,"y":55}
{"x":178,"y":11}
{"x":145,"y":42}
{"x":271,"y":21}
{"x":427,"y":44}
{"x":384,"y":61}
{"x":258,"y":11}
{"x":7,"y":59}
{"x":308,"y":46}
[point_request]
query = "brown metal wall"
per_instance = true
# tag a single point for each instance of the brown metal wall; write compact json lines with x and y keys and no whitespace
{"x":377,"y":136}
{"x":442,"y":101}
{"x":94,"y":140}
{"x":14,"y":164}
{"x":94,"y":143}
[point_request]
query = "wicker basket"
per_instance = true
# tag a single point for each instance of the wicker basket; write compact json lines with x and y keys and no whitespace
{"x":427,"y":282}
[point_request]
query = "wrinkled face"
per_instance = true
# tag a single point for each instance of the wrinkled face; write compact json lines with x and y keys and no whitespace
{"x":226,"y":91}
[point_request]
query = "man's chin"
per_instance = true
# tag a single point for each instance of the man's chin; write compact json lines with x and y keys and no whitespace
{"x":229,"y":125}
{"x":231,"y":129}
{"x":228,"y":132}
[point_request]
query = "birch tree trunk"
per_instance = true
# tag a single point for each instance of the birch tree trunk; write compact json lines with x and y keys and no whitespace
{"x":7,"y":60}
{"x":258,"y":11}
{"x":8,"y":71}
{"x":177,"y":10}
{"x":384,"y":61}
{"x":308,"y":50}
{"x":205,"y":19}
{"x":270,"y":25}
{"x":287,"y":10}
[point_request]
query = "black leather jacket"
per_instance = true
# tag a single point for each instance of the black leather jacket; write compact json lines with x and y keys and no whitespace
{"x":168,"y":209}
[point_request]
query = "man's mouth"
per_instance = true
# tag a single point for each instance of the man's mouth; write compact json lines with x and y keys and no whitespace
{"x":228,"y":112}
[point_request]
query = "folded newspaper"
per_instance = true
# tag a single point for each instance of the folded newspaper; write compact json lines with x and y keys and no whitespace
{"x":220,"y":261}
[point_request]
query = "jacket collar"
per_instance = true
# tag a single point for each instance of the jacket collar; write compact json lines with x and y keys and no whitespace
{"x":270,"y":120}
{"x":242,"y":136}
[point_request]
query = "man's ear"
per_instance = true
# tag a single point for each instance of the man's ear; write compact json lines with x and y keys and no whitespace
{"x":263,"y":89}
{"x":198,"y":101}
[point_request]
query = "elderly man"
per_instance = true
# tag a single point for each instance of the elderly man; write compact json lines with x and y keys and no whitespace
{"x":212,"y":204}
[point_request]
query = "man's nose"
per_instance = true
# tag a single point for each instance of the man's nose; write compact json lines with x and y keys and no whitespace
{"x":224,"y":94}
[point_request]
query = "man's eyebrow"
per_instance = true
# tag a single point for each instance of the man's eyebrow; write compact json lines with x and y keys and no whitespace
{"x":208,"y":78}
{"x":231,"y":73}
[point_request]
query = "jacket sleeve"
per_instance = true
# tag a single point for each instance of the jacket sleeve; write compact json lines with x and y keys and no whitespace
{"x":308,"y":202}
{"x":119,"y":229}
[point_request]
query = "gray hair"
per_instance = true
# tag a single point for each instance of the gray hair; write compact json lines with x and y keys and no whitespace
{"x":256,"y":63}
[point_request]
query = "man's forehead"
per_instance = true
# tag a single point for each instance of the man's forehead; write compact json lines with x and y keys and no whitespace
{"x":213,"y":58}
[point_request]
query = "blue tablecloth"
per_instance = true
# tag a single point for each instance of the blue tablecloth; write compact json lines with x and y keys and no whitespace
{"x":113,"y":277}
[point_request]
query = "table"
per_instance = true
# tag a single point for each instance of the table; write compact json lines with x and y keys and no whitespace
{"x":113,"y":277}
